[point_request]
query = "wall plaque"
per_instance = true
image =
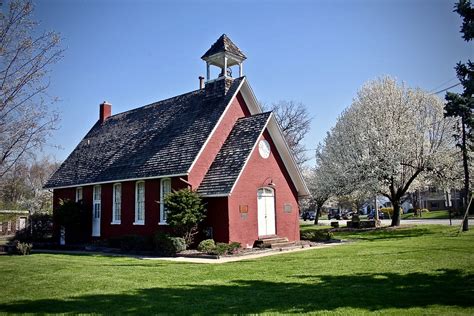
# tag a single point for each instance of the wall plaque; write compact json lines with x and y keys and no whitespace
{"x":243,"y":209}
{"x":287,"y":208}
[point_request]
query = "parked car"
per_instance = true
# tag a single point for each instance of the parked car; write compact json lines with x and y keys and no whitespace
{"x":372,"y":215}
{"x":347,"y":215}
{"x":334,"y":213}
{"x":309,"y":215}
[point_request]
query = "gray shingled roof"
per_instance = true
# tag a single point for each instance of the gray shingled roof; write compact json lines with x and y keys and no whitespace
{"x":224,"y":44}
{"x":159,"y":139}
{"x":230,"y":160}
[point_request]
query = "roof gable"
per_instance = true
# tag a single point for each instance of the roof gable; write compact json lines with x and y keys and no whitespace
{"x":231,"y":159}
{"x":160,"y":139}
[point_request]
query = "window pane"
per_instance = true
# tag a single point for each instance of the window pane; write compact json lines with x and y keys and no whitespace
{"x":140,"y":201}
{"x":117,"y":202}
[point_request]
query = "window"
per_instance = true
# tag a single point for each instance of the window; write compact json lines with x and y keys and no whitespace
{"x":1,"y":227}
{"x":78,"y":194}
{"x":9,"y":226}
{"x":165,"y":189}
{"x":117,"y":204}
{"x":96,"y":202}
{"x":140,"y":203}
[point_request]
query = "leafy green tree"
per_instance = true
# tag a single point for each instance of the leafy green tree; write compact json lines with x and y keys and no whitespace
{"x":462,"y":105}
{"x":74,"y":218}
{"x":185,"y":211}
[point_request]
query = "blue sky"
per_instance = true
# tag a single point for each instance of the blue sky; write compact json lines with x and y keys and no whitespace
{"x":132,"y":53}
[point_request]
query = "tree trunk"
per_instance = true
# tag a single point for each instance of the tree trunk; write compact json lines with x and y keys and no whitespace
{"x":396,"y":212}
{"x":465,"y":224}
{"x":318,"y":212}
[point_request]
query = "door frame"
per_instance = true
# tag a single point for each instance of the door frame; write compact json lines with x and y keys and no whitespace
{"x":96,"y":201}
{"x":259,"y":233}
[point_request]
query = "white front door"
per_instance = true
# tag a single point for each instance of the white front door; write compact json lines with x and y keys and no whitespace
{"x":96,"y":210}
{"x":266,"y":211}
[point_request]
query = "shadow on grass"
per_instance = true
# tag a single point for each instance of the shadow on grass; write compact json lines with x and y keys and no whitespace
{"x":308,"y":293}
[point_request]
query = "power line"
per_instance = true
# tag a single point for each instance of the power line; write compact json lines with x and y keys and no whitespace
{"x":444,"y":83}
{"x":457,"y":84}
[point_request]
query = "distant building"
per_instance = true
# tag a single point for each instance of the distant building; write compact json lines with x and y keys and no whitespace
{"x":434,"y":199}
{"x":12,"y":221}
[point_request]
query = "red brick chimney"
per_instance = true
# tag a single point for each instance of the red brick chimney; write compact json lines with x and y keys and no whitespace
{"x":105,"y":111}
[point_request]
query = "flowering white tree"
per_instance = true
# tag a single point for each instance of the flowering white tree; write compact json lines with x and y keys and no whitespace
{"x":26,"y":53}
{"x":390,"y":137}
{"x":323,"y":181}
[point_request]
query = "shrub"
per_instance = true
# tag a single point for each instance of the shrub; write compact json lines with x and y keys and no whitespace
{"x":74,"y":217}
{"x":23,"y":248}
{"x":184,"y":213}
{"x":317,"y":235}
{"x":134,"y":243}
{"x":178,"y":244}
{"x":389,"y":210}
{"x":234,"y":247}
{"x":206,"y":245}
{"x":168,"y":245}
{"x":220,"y":249}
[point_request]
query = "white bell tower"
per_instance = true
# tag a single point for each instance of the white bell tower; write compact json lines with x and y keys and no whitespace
{"x":224,"y":54}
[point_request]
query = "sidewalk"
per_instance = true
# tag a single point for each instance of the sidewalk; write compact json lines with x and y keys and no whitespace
{"x":189,"y":259}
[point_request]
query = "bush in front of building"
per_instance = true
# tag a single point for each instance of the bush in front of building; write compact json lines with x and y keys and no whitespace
{"x":167,"y":245}
{"x":134,"y":243}
{"x":39,"y":228}
{"x":74,"y":218}
{"x":210,"y":247}
{"x":206,"y":245}
{"x":317,"y":235}
{"x":23,"y":248}
{"x":185,"y":211}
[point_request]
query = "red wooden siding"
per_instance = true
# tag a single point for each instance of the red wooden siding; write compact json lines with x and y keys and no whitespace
{"x":236,"y":109}
{"x":107,"y":230}
{"x":257,"y":173}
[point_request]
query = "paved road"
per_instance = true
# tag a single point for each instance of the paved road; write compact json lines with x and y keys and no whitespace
{"x":385,"y":222}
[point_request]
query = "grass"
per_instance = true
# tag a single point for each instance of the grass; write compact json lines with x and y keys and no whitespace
{"x":428,"y":215}
{"x":424,"y":270}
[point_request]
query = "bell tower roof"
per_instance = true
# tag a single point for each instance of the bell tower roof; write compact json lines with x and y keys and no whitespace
{"x":224,"y":45}
{"x":224,"y":54}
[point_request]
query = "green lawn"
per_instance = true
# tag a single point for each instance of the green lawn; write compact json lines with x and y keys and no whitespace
{"x":432,"y":215}
{"x":416,"y":271}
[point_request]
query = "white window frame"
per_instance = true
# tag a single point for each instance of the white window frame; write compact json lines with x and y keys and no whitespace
{"x":138,"y":202}
{"x":162,"y":201}
{"x":79,"y":196}
{"x":96,"y":201}
{"x":116,"y":205}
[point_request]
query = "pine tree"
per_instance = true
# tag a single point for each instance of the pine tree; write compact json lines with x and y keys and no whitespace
{"x":462,"y":105}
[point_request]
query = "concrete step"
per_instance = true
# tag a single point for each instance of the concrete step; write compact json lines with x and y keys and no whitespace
{"x":267,"y":242}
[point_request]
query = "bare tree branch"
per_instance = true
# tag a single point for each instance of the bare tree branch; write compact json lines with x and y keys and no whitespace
{"x":26,"y":120}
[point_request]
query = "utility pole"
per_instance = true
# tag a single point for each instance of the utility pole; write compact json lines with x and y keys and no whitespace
{"x":376,"y":210}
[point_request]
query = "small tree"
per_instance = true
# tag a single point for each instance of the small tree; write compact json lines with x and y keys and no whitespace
{"x":74,"y":218}
{"x":185,"y":211}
